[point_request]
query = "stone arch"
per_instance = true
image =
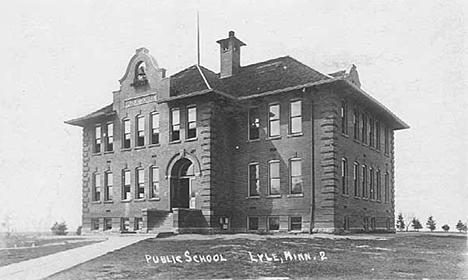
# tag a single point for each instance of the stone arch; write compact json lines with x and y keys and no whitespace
{"x":181,"y":155}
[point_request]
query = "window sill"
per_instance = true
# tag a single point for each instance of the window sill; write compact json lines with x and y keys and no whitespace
{"x":344,"y":135}
{"x":295,"y":135}
{"x":139,"y":199}
{"x":155,"y":145}
{"x":108,"y":152}
{"x":96,"y":154}
{"x":175,"y":142}
{"x":295,"y":195}
{"x":356,"y":141}
{"x":154,"y":199}
{"x":345,"y":195}
{"x":273,"y":138}
{"x":253,"y":197}
{"x":357,"y":197}
{"x":126,"y":149}
{"x":108,"y":202}
{"x":96,"y":202}
{"x":274,"y":196}
{"x":140,"y":147}
{"x":191,"y":139}
{"x":253,"y":140}
{"x":126,"y":200}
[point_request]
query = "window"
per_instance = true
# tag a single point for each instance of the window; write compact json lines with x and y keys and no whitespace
{"x":138,"y":225}
{"x":366,"y":223}
{"x":97,"y":138}
{"x":110,"y":137}
{"x":387,"y":223}
{"x":344,"y":117}
{"x":379,"y":186}
{"x":107,"y":223}
{"x":94,"y":224}
{"x":377,"y":135}
{"x":141,"y":71}
{"x":225,"y":46}
{"x":154,"y":178}
{"x":387,"y":187}
{"x":274,"y":120}
{"x":97,"y":187}
{"x":371,"y":183}
{"x":126,"y":134}
{"x":192,"y":122}
{"x":295,"y":223}
{"x":346,"y":222}
{"x":126,"y":194}
{"x":175,"y":124}
{"x":344,"y":175}
{"x":109,"y":191}
{"x":254,"y":180}
{"x":125,"y":224}
{"x":140,"y":129}
{"x":154,"y":128}
{"x":364,"y":128}
{"x":252,"y":223}
{"x":296,"y":176}
{"x":356,"y":124}
{"x":371,"y":132}
{"x":274,"y":178}
{"x":254,"y":123}
{"x":273,"y":223}
{"x":372,"y":223}
{"x":140,"y":183}
{"x":356,"y":179}
{"x":387,"y":140}
{"x":295,"y":123}
{"x":364,"y":181}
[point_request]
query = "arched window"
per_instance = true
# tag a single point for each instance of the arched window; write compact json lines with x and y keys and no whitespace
{"x":140,"y":71}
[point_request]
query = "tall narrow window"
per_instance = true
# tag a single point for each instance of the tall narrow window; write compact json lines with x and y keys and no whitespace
{"x":379,"y":185}
{"x":377,"y":135}
{"x":126,"y":133}
{"x":97,"y":138}
{"x":110,"y":137}
{"x":126,"y":185}
{"x":254,"y":179}
{"x":140,"y":183}
{"x":356,"y":124}
{"x":97,"y":187}
{"x":175,"y":124}
{"x":371,"y":132}
{"x":364,"y":181}
{"x":154,"y":174}
{"x":192,"y":122}
{"x":274,"y":178}
{"x":274,"y":120}
{"x":344,"y":117}
{"x":295,"y":166}
{"x":371,"y":183}
{"x":109,"y":191}
{"x":295,"y":123}
{"x":140,"y":129}
{"x":254,"y":123}
{"x":356,"y":179}
{"x":364,"y":128}
{"x":387,"y":187}
{"x":344,"y":176}
{"x":154,"y":118}
{"x":387,"y":140}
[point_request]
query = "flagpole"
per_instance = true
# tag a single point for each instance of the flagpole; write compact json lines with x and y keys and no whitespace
{"x":198,"y":38}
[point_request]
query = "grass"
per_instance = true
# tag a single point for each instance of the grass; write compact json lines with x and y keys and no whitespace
{"x":16,"y":247}
{"x":412,"y":256}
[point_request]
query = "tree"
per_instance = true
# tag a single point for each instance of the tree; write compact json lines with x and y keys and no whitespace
{"x":446,"y":228}
{"x":59,"y":229}
{"x":416,"y":224}
{"x":461,"y":226}
{"x":400,"y":224}
{"x":431,"y":224}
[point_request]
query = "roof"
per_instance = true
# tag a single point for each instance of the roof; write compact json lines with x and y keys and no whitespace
{"x":105,"y":111}
{"x":278,"y":73}
{"x":194,"y":79}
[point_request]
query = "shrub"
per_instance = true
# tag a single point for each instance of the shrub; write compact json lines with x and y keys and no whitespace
{"x":59,"y":228}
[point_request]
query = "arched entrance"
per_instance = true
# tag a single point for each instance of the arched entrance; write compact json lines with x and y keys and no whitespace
{"x":182,"y":175}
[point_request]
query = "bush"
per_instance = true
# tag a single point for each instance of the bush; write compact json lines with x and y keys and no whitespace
{"x":78,"y":230}
{"x":59,"y":229}
{"x":446,"y":228}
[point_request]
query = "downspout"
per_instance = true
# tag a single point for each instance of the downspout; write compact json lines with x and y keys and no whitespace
{"x":312,"y":198}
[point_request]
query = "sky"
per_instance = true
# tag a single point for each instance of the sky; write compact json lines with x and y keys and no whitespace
{"x":62,"y":59}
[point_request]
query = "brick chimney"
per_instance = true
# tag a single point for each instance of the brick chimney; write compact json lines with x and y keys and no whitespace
{"x":229,"y":49}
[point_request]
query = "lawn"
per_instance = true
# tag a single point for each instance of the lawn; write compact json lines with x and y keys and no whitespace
{"x":409,"y":256}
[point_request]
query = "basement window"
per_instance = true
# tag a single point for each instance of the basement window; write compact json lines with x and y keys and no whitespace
{"x":125,"y":224}
{"x":273,"y":223}
{"x":108,"y":224}
{"x":94,"y":224}
{"x":295,"y":223}
{"x":138,"y":225}
{"x":252,"y":223}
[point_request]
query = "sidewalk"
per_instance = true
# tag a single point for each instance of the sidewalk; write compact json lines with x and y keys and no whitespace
{"x":45,"y":266}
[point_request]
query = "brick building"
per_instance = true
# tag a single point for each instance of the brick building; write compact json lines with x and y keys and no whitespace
{"x":272,"y":146}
